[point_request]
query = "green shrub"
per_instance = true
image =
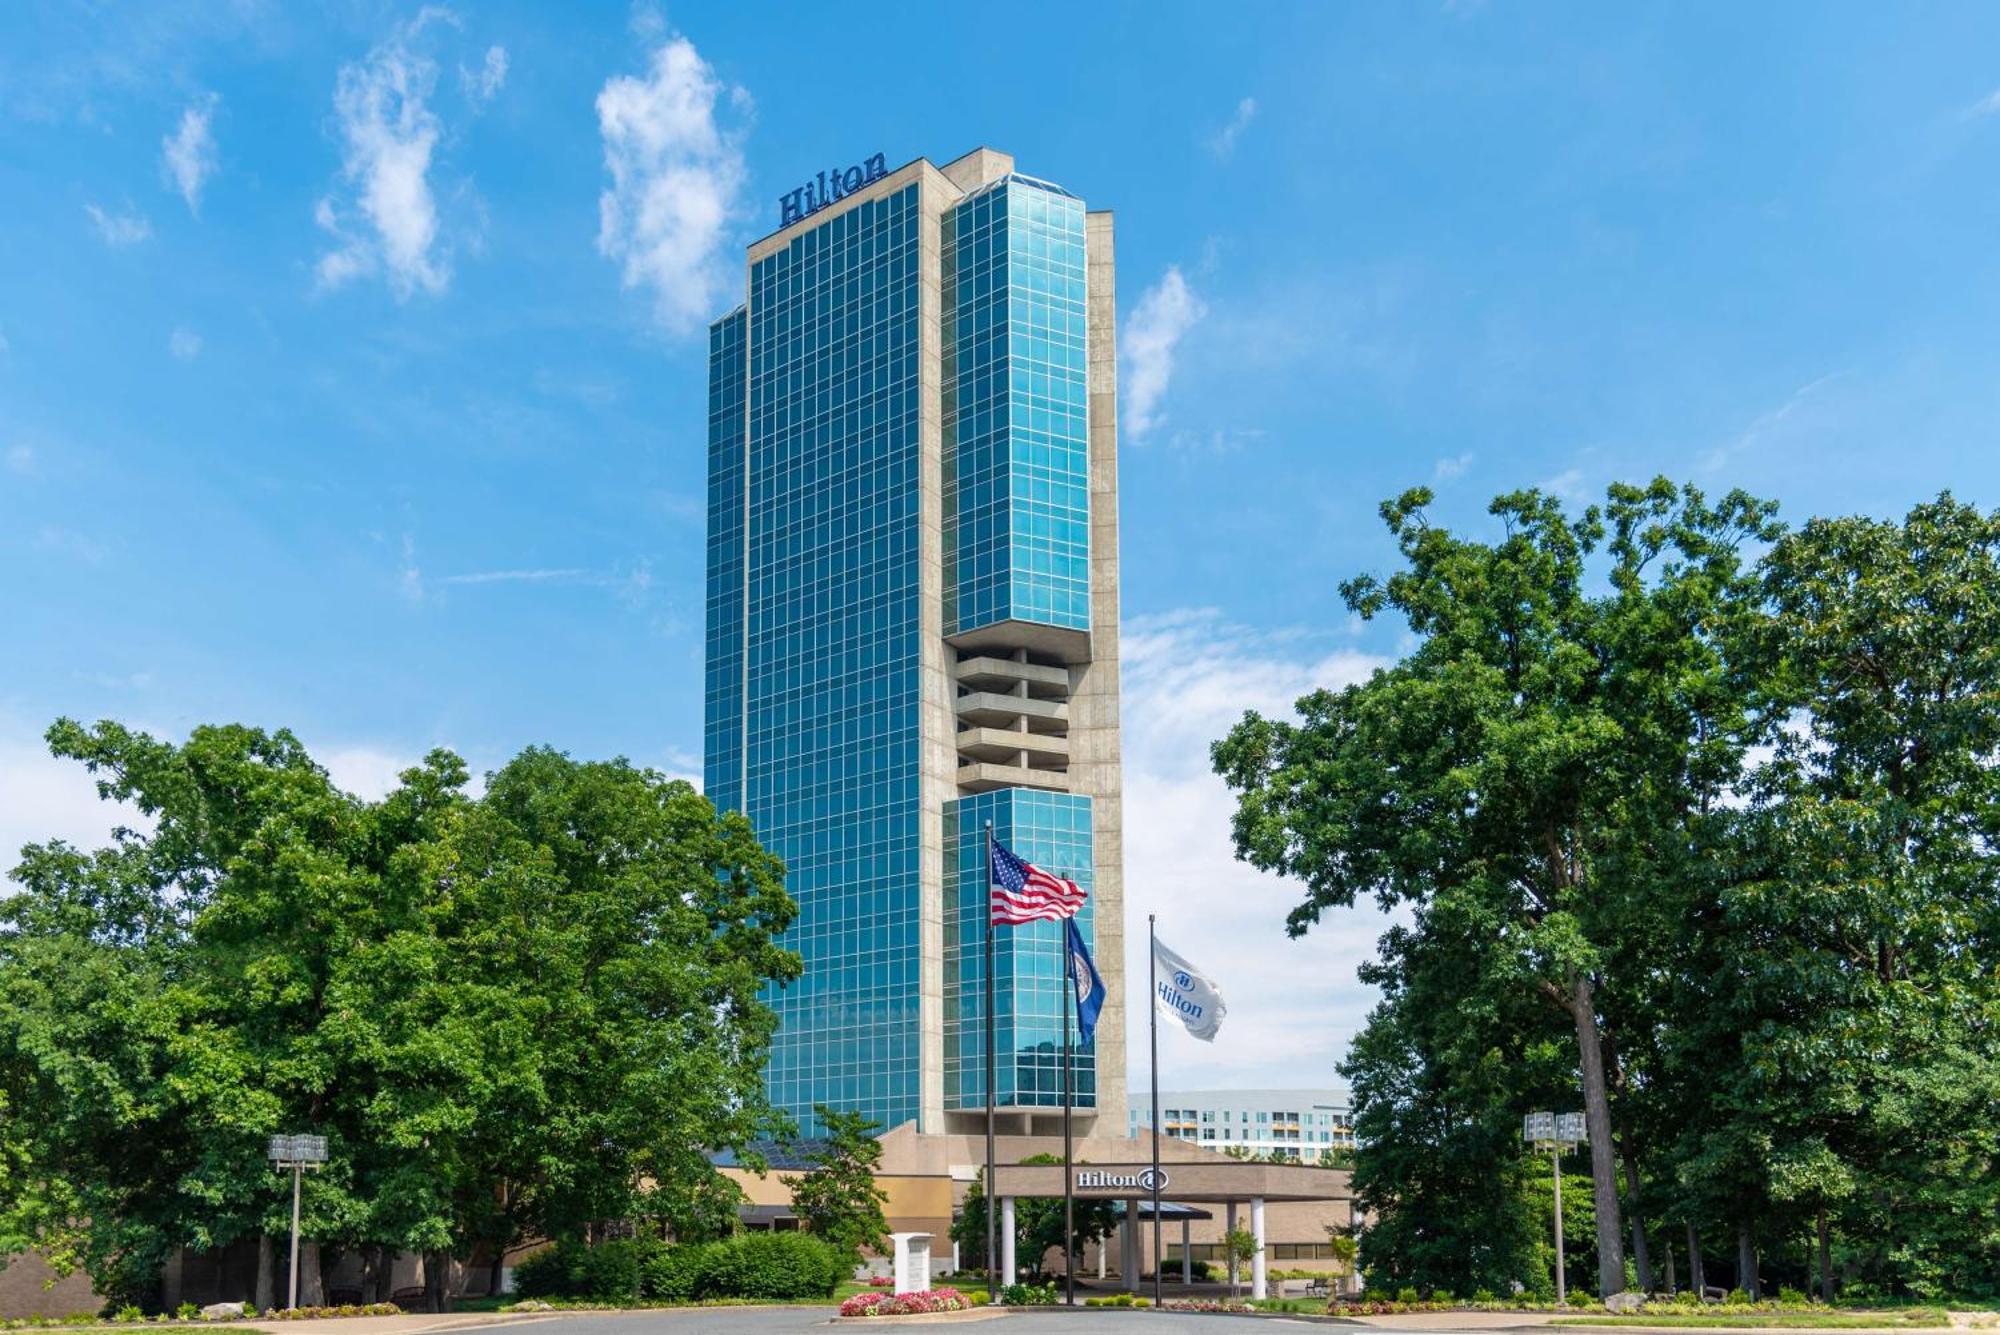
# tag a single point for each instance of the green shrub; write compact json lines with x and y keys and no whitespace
{"x":1032,"y":1295}
{"x":1485,"y":1296}
{"x":128,"y":1313}
{"x":771,"y":1265}
{"x":1792,"y":1298}
{"x":608,"y":1272}
{"x":1408,"y":1294}
{"x":673,"y":1274}
{"x":1737,"y":1298}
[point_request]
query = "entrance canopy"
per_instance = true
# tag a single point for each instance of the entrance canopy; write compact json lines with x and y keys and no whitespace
{"x":1219,"y":1181}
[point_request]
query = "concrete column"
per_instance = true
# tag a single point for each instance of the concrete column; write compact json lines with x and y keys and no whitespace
{"x":1128,"y":1253}
{"x":1257,"y":1261}
{"x":1103,"y":1249}
{"x":1187,"y":1256}
{"x":1228,"y":1227}
{"x":1006,"y":1239}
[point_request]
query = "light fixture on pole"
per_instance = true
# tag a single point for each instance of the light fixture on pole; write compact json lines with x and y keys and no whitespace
{"x":1557,"y":1133}
{"x":297,"y":1153}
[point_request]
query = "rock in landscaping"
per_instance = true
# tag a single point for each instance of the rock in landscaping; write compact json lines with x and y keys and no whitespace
{"x":222,"y":1311}
{"x":1629,"y":1301}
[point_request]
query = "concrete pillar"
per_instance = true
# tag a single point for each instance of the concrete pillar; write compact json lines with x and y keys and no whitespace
{"x":1228,"y":1227}
{"x":1257,"y":1261}
{"x":1128,"y":1252}
{"x":1006,"y":1239}
{"x":1103,"y":1250}
{"x":1187,"y":1256}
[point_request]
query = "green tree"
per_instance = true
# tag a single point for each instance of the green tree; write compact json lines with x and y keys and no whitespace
{"x":838,"y":1199}
{"x":1526,"y":776}
{"x":509,"y":1016}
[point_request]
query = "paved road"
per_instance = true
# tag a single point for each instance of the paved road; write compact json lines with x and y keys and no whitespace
{"x":799,"y":1320}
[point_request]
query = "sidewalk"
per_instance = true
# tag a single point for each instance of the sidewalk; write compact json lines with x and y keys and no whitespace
{"x":408,"y":1323}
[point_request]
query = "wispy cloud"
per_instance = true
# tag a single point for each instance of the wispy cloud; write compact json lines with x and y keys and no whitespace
{"x":119,"y":229}
{"x":21,"y":461}
{"x":410,"y":575}
{"x":188,"y":155}
{"x":1769,"y":425}
{"x":677,"y":176}
{"x":483,"y":84}
{"x":389,"y":218}
{"x":1293,"y":1005}
{"x":631,"y":584}
{"x":1164,"y":314}
{"x":1985,"y":106}
{"x":514,"y":576}
{"x":69,"y":543}
{"x":1566,"y":485}
{"x":1223,"y":142}
{"x":184,"y":344}
{"x":1447,"y":470}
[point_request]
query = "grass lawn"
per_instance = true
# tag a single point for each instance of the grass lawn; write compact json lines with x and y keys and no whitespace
{"x":1915,"y":1318}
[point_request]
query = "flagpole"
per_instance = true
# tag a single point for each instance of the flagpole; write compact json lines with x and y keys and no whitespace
{"x":992,"y":1075}
{"x":1153,"y":1014}
{"x":1069,"y":1114}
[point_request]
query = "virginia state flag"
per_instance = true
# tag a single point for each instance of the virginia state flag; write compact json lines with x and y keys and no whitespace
{"x":1083,"y":977}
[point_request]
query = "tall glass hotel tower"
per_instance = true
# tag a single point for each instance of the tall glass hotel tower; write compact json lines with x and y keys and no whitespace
{"x":913,"y":628}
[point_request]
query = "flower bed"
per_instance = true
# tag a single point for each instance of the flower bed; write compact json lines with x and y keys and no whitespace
{"x":1204,"y":1305}
{"x":905,"y":1304}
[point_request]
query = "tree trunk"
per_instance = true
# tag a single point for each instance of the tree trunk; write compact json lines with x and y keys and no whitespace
{"x":437,"y":1281}
{"x":1597,"y":1118}
{"x":1746,"y":1261}
{"x":499,"y":1264}
{"x":267,"y":1273}
{"x":1668,"y":1248}
{"x":1825,"y":1261}
{"x":1697,"y":1277}
{"x":385,"y":1274}
{"x":312,"y":1285}
{"x":170,"y":1280}
{"x":1640,"y":1260}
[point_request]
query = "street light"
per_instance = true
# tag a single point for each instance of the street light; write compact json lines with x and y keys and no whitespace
{"x":297,"y":1153}
{"x":1557,"y":1133}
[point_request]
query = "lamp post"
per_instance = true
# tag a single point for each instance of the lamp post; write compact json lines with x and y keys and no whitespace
{"x":297,"y":1153}
{"x":1557,"y":1133}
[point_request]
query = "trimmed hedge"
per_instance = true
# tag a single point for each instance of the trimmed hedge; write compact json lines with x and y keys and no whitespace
{"x":783,"y":1266}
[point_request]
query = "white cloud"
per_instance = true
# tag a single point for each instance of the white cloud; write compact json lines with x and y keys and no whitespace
{"x":630,"y":585}
{"x":389,"y":135}
{"x":677,"y":178}
{"x":1566,"y":486}
{"x":1223,"y":142}
{"x":184,"y":343}
{"x":482,"y":85}
{"x":1985,"y":106}
{"x":21,"y":460}
{"x":187,"y":156}
{"x":1768,"y":426}
{"x":1448,"y":470}
{"x":410,"y":576}
{"x":43,"y":798}
{"x":1293,"y":1005}
{"x":119,"y":229}
{"x":1153,"y":333}
{"x":68,"y":542}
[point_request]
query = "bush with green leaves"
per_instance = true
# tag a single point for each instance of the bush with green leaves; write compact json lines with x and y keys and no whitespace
{"x":1029,"y":1295}
{"x":772,"y":1265}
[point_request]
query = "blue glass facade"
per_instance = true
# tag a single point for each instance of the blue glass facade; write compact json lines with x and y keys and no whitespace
{"x":1051,"y":830}
{"x":1016,"y":396}
{"x":899,"y":454}
{"x":832,"y":654}
{"x":722,"y":714}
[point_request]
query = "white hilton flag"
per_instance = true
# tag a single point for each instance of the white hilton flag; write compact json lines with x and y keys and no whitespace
{"x":1187,"y":994}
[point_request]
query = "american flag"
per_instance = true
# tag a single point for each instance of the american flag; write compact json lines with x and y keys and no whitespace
{"x":1023,"y":892}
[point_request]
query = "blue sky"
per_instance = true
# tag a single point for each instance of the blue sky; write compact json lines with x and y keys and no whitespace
{"x":329,"y":397}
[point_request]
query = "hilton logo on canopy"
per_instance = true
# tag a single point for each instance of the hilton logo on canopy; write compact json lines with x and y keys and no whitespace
{"x":827,"y":187}
{"x":1096,"y":1179}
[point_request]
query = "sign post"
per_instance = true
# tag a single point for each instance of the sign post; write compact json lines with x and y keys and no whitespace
{"x":1558,"y":1134}
{"x":297,"y":1153}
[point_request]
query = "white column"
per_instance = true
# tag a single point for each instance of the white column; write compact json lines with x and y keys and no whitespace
{"x":1103,"y":1250}
{"x":1187,"y":1255}
{"x":1006,"y":1239}
{"x":1228,"y":1227}
{"x":1257,"y":1261}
